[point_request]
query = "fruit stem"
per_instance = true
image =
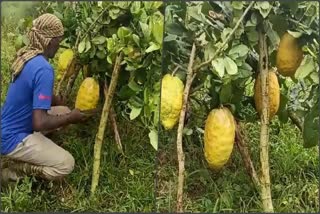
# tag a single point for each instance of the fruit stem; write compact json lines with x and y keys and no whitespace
{"x":175,"y":70}
{"x":264,"y":135}
{"x":103,"y":124}
{"x":180,"y":153}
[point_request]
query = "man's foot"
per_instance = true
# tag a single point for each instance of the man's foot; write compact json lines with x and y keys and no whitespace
{"x":9,"y":179}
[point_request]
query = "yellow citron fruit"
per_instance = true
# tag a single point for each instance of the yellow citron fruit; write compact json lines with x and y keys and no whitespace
{"x":171,"y":100}
{"x":88,"y":95}
{"x":274,"y":94}
{"x":219,"y":137}
{"x":65,"y":59}
{"x":289,"y":55}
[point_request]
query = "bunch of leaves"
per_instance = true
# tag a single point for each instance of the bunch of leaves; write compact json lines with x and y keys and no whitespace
{"x":228,"y":79}
{"x":100,"y":31}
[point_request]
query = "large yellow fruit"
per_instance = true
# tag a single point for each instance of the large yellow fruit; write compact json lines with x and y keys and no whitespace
{"x":66,"y":58}
{"x":88,"y":95}
{"x":219,"y":137}
{"x":171,"y":100}
{"x":274,"y":94}
{"x":289,"y":55}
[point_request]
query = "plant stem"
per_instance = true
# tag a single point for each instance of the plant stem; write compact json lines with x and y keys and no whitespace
{"x":245,"y":154}
{"x":103,"y":124}
{"x":71,"y":81}
{"x":180,"y":152}
{"x":295,"y":119}
{"x":264,"y":135}
{"x":112,"y":118}
{"x":227,"y":39}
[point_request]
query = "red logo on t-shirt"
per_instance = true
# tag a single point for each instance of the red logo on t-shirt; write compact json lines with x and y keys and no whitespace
{"x":44,"y":97}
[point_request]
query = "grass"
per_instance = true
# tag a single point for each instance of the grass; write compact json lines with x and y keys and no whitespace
{"x":294,"y":175}
{"x":126,"y":183}
{"x":119,"y":190}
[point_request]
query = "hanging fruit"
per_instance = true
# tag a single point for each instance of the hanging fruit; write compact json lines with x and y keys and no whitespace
{"x":88,"y":95}
{"x":171,"y":100}
{"x":219,"y":137}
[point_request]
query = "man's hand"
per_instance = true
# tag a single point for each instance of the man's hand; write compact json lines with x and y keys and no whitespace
{"x":77,"y":116}
{"x":42,"y":121}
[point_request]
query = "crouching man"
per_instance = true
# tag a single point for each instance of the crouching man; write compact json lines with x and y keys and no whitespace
{"x":31,"y":109}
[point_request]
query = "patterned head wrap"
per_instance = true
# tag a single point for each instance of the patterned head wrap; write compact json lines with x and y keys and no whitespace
{"x":44,"y":28}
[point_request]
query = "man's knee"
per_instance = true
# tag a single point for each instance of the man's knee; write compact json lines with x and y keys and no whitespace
{"x":62,"y":169}
{"x":68,"y":162}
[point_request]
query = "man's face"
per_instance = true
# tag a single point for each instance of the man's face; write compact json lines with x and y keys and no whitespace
{"x":54,"y":46}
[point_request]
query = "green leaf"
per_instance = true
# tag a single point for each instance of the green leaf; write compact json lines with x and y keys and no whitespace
{"x":253,"y":21}
{"x":101,"y":55}
{"x":136,"y":39}
{"x":264,"y":7}
{"x":131,"y":172}
{"x":88,"y":46}
{"x":126,"y":92}
{"x":218,"y":65}
{"x":283,"y":112}
{"x":153,"y":47}
{"x":226,"y":93}
{"x":230,"y":65}
{"x":111,"y":44}
{"x":170,"y":37}
{"x":135,"y":112}
{"x":311,"y":128}
{"x":153,"y":136}
{"x":195,"y":12}
{"x":315,"y":77}
{"x":295,"y":34}
{"x":123,"y":32}
{"x":279,"y":24}
{"x":134,"y":86}
{"x":238,"y":51}
{"x":156,"y":26}
{"x":135,"y":7}
{"x":81,"y":46}
{"x":252,"y":35}
{"x":145,"y":30}
{"x":306,"y":67}
{"x":99,"y":40}
{"x":238,"y":5}
{"x":187,"y":131}
{"x":225,"y":33}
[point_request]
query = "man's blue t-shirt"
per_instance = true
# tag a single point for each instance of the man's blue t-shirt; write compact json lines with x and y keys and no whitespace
{"x":32,"y":89}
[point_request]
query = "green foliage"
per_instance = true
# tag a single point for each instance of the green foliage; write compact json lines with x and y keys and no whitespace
{"x":230,"y":75}
{"x":99,"y":31}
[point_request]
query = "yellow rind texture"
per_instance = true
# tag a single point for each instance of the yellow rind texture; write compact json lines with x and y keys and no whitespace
{"x":219,"y":136}
{"x":289,"y":55}
{"x":171,"y":100}
{"x":274,"y":94}
{"x":88,"y":95}
{"x":65,"y":59}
